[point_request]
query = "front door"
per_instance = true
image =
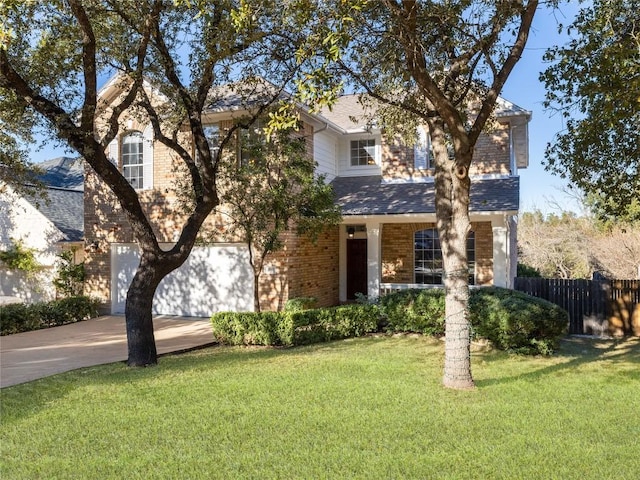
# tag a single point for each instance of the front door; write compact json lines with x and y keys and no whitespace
{"x":356,"y":267}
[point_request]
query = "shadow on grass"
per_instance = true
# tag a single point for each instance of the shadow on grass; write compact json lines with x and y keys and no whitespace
{"x":23,"y":400}
{"x":574,"y":352}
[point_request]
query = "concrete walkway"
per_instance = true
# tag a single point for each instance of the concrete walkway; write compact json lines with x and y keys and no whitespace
{"x":41,"y":353}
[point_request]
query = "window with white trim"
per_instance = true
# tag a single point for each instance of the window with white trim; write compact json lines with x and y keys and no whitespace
{"x":422,"y":150}
{"x":429,"y":266}
{"x":134,"y":153}
{"x":133,"y":159}
{"x":363,"y":152}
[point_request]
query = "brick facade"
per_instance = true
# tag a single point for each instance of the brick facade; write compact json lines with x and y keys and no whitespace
{"x":491,"y":156}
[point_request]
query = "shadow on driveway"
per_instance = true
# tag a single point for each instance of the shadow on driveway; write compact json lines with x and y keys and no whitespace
{"x":41,"y":353}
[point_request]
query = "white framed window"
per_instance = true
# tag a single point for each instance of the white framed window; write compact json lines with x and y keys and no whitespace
{"x":422,"y":150}
{"x":135,"y":150}
{"x":363,"y":152}
{"x":251,"y":142}
{"x":133,"y":159}
{"x":428,"y":263}
{"x":212,"y":134}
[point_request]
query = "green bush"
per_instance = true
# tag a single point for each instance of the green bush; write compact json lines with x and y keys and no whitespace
{"x":246,"y":328}
{"x":297,"y":327}
{"x":517,"y":322}
{"x":511,"y":320}
{"x":300,"y":303}
{"x":414,"y":310}
{"x":18,"y":317}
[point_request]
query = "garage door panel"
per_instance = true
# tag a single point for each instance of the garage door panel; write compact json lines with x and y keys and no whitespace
{"x":212,"y":279}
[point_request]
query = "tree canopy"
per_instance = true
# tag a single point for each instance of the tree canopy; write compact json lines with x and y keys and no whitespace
{"x":443,"y":64}
{"x":594,"y":82}
{"x":55,"y":56}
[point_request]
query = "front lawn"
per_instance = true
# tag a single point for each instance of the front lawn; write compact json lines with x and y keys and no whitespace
{"x":367,"y":408}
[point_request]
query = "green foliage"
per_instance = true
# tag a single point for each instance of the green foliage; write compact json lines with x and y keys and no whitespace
{"x":19,"y":257}
{"x":517,"y":322}
{"x":18,"y":317}
{"x":294,"y":327}
{"x":69,"y":280}
{"x":511,"y":320}
{"x":300,"y":303}
{"x":593,"y":81}
{"x":414,"y":310}
{"x":524,"y":270}
{"x":273,"y":191}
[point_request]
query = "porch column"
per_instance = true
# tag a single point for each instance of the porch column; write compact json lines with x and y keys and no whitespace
{"x":374,"y":239}
{"x":500,"y":257}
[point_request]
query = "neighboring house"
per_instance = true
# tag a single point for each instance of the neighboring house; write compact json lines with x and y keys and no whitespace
{"x":47,"y":225}
{"x":387,"y":239}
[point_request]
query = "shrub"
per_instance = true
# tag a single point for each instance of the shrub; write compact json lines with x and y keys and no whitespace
{"x":326,"y":324}
{"x":414,"y":310}
{"x":300,"y":303}
{"x":297,"y":327}
{"x":511,"y":320}
{"x":18,"y":317}
{"x":517,"y":322}
{"x":246,"y":328}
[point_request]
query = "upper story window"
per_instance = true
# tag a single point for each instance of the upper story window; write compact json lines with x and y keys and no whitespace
{"x":133,"y":159}
{"x":212,"y":134}
{"x":133,"y":152}
{"x":422,"y":150}
{"x":363,"y":152}
{"x":429,"y":266}
{"x":252,"y":141}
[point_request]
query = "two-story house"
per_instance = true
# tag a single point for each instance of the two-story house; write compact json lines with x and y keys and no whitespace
{"x":387,"y":239}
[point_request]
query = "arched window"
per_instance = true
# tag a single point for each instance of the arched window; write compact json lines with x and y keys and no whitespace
{"x":428,"y":264}
{"x":135,"y":151}
{"x":133,"y":159}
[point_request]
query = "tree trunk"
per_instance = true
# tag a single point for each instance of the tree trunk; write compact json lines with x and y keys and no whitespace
{"x":138,"y":314}
{"x":256,"y":292}
{"x":452,"y":214}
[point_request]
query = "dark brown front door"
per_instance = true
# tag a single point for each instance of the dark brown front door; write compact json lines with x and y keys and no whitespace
{"x":356,"y":267}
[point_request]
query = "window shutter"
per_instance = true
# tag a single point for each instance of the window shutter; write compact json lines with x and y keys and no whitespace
{"x":421,"y":150}
{"x":147,"y":157}
{"x":113,"y":151}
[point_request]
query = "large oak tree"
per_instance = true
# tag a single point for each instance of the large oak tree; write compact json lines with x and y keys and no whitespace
{"x":55,"y":54}
{"x":440,"y":63}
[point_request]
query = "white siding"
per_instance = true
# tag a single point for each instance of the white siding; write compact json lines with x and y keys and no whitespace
{"x":21,"y":221}
{"x":325,"y":146}
{"x":344,"y":157}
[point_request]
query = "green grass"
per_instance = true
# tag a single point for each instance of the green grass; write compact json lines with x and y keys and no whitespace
{"x":367,"y":408}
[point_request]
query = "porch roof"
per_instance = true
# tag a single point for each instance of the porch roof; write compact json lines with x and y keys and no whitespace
{"x":369,"y":196}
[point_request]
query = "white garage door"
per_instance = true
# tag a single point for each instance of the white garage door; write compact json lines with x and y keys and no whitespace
{"x":213,"y":279}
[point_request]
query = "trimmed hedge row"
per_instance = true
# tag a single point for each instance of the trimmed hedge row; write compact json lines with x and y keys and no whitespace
{"x":18,"y":317}
{"x":511,"y":320}
{"x":294,"y":327}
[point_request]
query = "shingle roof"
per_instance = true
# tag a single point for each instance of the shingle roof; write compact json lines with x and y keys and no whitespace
{"x":64,"y":206}
{"x":369,"y":196}
{"x":65,"y":209}
{"x":63,"y":172}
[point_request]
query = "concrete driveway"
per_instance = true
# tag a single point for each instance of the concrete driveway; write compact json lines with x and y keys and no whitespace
{"x":41,"y":353}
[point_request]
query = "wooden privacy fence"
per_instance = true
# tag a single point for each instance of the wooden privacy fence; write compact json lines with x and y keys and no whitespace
{"x":595,"y":306}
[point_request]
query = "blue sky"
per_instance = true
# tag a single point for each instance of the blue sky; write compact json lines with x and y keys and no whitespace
{"x":539,"y":188}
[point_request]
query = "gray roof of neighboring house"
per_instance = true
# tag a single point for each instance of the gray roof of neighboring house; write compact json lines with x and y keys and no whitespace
{"x":64,"y":206}
{"x":63,"y":172}
{"x":369,"y":196}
